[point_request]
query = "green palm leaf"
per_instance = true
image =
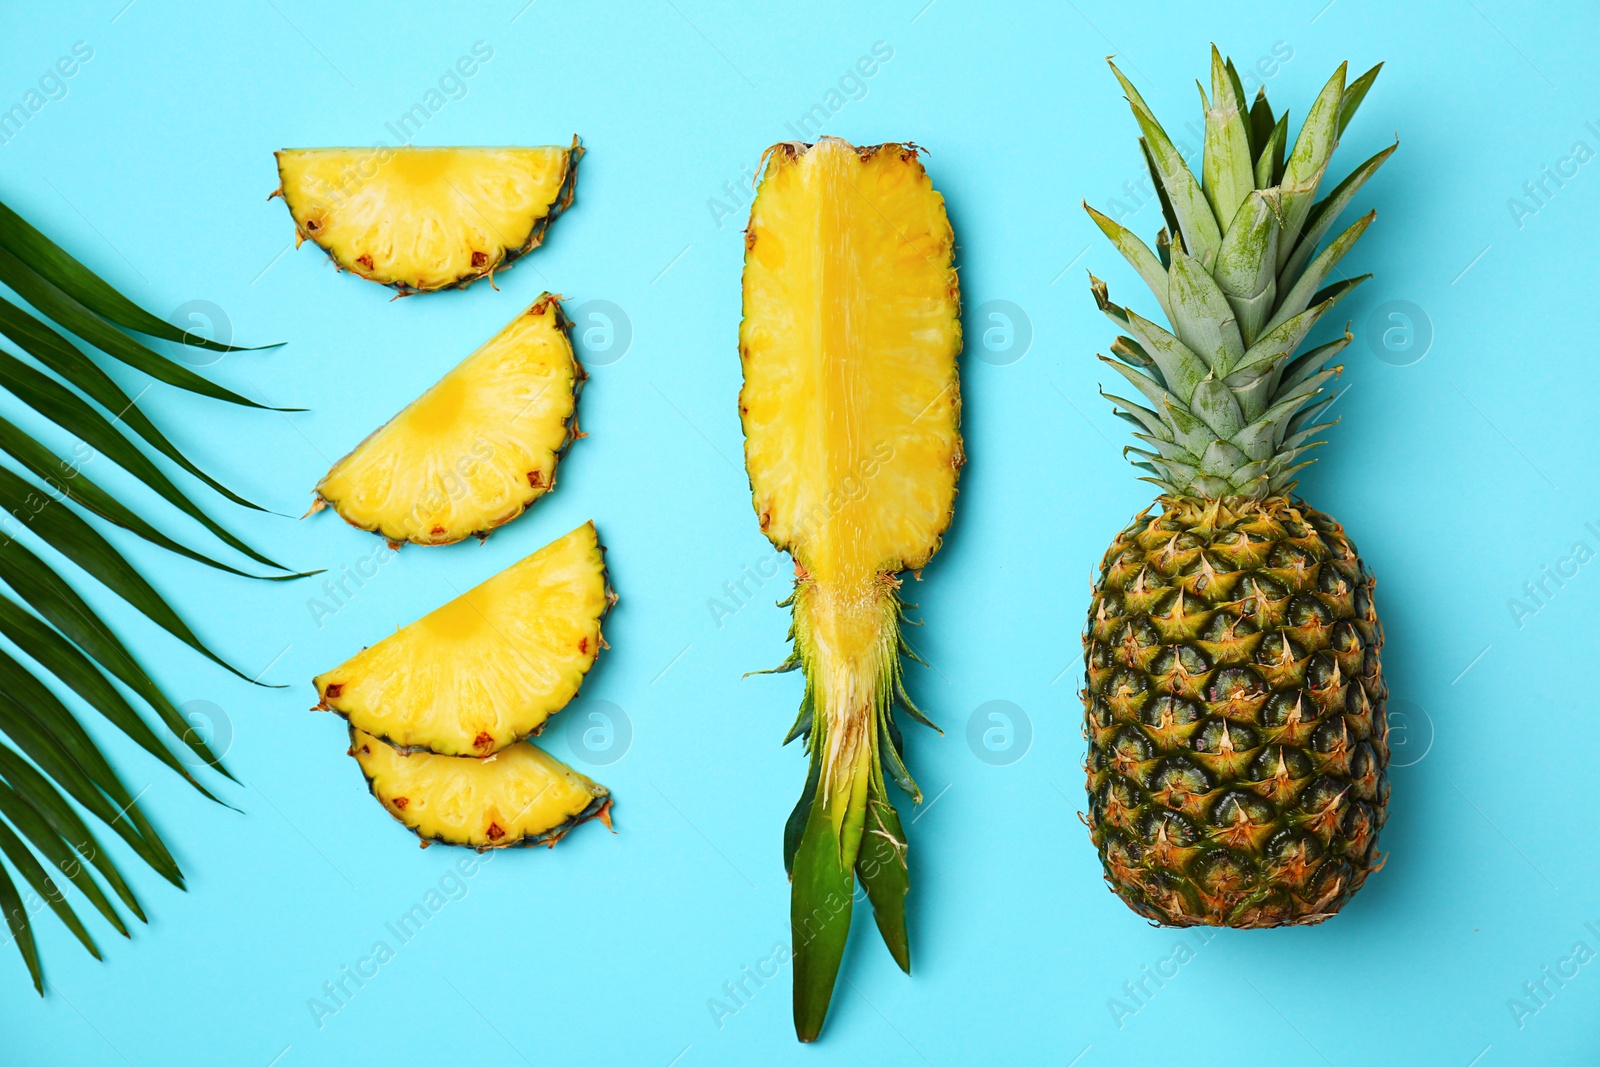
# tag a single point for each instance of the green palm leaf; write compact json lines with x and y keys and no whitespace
{"x":51,"y":770}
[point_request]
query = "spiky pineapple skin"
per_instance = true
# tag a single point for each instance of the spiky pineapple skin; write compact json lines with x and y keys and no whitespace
{"x":1235,"y":714}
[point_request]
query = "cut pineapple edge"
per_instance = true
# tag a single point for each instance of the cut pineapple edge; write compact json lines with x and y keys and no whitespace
{"x":488,"y":668}
{"x":520,"y":796}
{"x":851,"y":408}
{"x":475,"y":450}
{"x":422,"y":219}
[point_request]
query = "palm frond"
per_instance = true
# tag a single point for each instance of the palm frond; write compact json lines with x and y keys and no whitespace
{"x":50,"y":767}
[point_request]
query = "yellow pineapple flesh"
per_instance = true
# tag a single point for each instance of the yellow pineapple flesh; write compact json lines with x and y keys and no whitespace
{"x":520,"y":796}
{"x":851,"y":406}
{"x":488,"y":668}
{"x":420,"y":219}
{"x":475,"y":450}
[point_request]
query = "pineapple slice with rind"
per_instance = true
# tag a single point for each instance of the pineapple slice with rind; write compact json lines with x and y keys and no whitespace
{"x":421,"y":219}
{"x":476,"y":449}
{"x":489,"y":667}
{"x":851,"y":408}
{"x":520,"y":796}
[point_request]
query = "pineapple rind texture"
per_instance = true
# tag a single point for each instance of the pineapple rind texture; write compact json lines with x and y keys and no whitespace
{"x":521,"y":796}
{"x":1235,"y":714}
{"x":488,"y":668}
{"x":423,"y":219}
{"x":477,"y":448}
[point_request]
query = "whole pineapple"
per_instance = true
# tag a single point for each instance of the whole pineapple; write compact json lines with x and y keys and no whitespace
{"x":1234,"y":708}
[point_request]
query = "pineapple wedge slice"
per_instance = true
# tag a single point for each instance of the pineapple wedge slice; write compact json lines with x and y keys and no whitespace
{"x":476,"y":449}
{"x":421,"y":219}
{"x":488,"y":668}
{"x":851,"y":408}
{"x":521,"y":796}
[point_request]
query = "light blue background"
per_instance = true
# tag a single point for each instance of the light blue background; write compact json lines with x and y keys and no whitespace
{"x":1460,"y":476}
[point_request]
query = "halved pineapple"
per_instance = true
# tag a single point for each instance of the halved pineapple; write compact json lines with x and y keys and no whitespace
{"x":488,"y":668}
{"x":421,"y":219}
{"x":851,"y":407}
{"x":476,"y":449}
{"x":520,"y":796}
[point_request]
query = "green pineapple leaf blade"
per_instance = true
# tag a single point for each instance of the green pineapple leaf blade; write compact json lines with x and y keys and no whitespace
{"x":1227,"y":170}
{"x":1193,"y":213}
{"x":822,"y":890}
{"x":60,"y":355}
{"x":69,"y":314}
{"x":1300,"y":295}
{"x":1326,"y":212}
{"x":882,"y":868}
{"x":1353,"y":95}
{"x":1137,"y":253}
{"x":1302,"y":174}
{"x":1262,"y":125}
{"x":1202,"y":318}
{"x":53,"y":263}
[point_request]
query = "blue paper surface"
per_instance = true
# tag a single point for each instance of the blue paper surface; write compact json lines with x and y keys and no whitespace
{"x":1464,"y":467}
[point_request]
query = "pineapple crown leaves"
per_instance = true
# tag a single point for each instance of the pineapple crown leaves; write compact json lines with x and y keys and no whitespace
{"x":1229,"y":409}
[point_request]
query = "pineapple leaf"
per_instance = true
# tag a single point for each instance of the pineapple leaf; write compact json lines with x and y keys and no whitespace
{"x":1246,"y":270}
{"x":1227,"y":174}
{"x":1190,"y":209}
{"x":1137,"y":253}
{"x":86,"y":287}
{"x":1181,"y":370}
{"x":1309,"y":284}
{"x":1217,"y":407}
{"x":1327,"y":211}
{"x":1353,"y":95}
{"x":1201,"y":315}
{"x":1309,"y":160}
{"x":1262,"y":127}
{"x":884,"y":873}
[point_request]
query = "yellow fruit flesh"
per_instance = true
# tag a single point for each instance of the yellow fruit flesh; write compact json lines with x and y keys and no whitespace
{"x":473,"y":451}
{"x":424,"y":218}
{"x":851,"y":398}
{"x":522,"y":795}
{"x":488,"y":668}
